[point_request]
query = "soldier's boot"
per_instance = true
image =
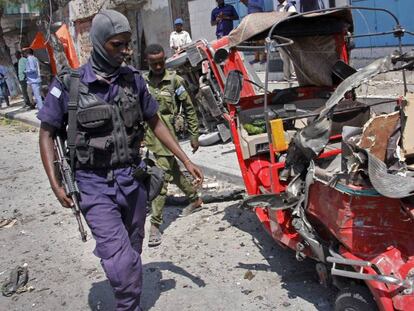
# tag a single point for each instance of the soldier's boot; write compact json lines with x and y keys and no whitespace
{"x":155,"y":236}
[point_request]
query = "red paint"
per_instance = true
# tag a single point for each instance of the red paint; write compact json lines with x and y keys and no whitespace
{"x":374,"y":229}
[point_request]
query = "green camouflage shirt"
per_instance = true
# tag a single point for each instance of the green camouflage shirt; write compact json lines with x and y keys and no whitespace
{"x":169,"y":93}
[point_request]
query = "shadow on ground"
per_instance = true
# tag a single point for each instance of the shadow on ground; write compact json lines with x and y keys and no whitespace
{"x":101,"y":297}
{"x":298,"y":278}
{"x":170,"y":214}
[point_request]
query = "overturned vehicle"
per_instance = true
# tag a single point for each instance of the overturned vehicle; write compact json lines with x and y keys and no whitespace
{"x":329,"y":174}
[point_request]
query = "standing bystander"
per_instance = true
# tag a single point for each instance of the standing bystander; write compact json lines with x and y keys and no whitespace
{"x":21,"y":73}
{"x":168,"y":89}
{"x":33,"y":77}
{"x":4,"y":90}
{"x":222,"y":17}
{"x":107,"y":103}
{"x":179,"y":37}
{"x":288,"y":69}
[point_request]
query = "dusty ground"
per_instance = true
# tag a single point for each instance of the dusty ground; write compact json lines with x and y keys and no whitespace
{"x":201,"y":264}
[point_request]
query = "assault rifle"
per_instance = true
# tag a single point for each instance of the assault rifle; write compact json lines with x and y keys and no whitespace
{"x":69,"y":183}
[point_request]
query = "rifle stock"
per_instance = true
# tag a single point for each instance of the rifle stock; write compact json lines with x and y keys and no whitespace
{"x":69,"y":183}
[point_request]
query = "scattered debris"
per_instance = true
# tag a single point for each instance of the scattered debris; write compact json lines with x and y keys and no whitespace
{"x":408,"y":138}
{"x":247,"y":291}
{"x":249,"y":275}
{"x":7,"y":223}
{"x":212,"y":185}
{"x":232,"y":195}
{"x":377,"y":132}
{"x":210,"y":197}
{"x":17,"y":282}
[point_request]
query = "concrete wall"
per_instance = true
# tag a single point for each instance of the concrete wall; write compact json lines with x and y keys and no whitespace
{"x":200,"y":13}
{"x":342,"y":2}
{"x":158,"y":24}
{"x":82,"y":13}
{"x":179,"y":8}
{"x":82,"y":41}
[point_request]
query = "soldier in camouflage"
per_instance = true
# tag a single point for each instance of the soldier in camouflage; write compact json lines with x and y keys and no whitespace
{"x":167,"y":88}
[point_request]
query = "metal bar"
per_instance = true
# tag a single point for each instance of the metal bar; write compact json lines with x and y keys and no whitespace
{"x":338,"y":112}
{"x":371,"y":277}
{"x":349,"y":262}
{"x":248,"y":48}
{"x":331,"y":10}
{"x":268,"y":45}
{"x":403,"y":71}
{"x":372,"y":34}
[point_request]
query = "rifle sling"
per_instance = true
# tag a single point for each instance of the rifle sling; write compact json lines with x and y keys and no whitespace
{"x":72,"y":109}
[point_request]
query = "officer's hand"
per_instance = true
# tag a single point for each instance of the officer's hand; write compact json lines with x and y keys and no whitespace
{"x":64,"y":200}
{"x":194,"y":144}
{"x":196,"y":172}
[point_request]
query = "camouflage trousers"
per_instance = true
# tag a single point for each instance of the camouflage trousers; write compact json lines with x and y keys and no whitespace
{"x":173,"y":175}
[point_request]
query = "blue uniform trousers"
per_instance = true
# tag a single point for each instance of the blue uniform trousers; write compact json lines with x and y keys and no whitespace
{"x":115,"y":212}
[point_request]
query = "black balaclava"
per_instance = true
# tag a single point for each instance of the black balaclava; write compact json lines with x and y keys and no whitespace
{"x":106,"y":24}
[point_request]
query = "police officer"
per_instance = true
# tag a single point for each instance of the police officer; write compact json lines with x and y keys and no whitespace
{"x":168,"y":89}
{"x":112,"y":103}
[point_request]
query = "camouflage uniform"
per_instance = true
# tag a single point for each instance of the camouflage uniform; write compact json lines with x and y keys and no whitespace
{"x":170,"y":93}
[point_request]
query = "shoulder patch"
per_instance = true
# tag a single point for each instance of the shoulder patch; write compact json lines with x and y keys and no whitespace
{"x":180,"y":90}
{"x":56,"y":92}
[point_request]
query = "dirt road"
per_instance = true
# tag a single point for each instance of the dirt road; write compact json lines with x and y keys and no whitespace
{"x":217,"y":259}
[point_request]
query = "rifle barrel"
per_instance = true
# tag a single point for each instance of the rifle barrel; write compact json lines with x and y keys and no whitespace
{"x":69,"y":184}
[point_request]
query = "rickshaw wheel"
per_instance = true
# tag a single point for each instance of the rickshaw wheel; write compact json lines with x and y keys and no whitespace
{"x":356,"y":298}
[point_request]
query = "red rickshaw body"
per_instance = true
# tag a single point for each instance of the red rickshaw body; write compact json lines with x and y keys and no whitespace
{"x":372,"y":233}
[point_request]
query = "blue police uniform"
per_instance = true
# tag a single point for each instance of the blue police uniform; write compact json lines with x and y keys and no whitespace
{"x":114,"y":209}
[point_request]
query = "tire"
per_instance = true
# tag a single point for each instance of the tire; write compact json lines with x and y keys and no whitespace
{"x":356,"y":298}
{"x":209,"y":139}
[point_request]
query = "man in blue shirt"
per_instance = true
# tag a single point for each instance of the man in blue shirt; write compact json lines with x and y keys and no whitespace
{"x":223,"y":16}
{"x":33,"y":77}
{"x":253,"y":6}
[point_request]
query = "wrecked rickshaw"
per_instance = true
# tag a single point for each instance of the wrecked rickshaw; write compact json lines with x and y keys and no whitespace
{"x":331,"y":173}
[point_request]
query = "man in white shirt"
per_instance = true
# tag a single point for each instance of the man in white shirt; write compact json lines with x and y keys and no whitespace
{"x":179,"y":37}
{"x":288,"y":69}
{"x":284,"y":6}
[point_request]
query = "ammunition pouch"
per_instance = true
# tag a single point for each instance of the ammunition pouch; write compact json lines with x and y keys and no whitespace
{"x":151,"y":176}
{"x":179,"y":123}
{"x":94,"y":119}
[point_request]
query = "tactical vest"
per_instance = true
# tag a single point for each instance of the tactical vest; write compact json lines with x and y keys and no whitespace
{"x":108,"y":135}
